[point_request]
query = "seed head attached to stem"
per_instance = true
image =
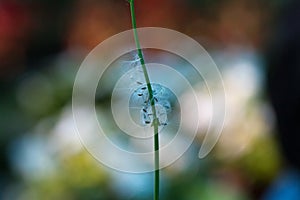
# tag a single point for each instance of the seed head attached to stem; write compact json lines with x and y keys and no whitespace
{"x":155,"y":122}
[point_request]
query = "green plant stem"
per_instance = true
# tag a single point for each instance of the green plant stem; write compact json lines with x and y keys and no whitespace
{"x":155,"y":122}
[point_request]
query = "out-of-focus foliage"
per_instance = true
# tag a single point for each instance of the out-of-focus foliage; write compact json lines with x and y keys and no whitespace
{"x":76,"y":177}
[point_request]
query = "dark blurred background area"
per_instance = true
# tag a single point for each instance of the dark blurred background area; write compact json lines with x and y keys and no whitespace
{"x":254,"y":43}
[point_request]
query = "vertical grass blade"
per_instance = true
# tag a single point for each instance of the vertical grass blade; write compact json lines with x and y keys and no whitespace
{"x":155,"y":122}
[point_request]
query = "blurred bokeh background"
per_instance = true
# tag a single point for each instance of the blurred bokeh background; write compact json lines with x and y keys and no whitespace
{"x":255,"y":43}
